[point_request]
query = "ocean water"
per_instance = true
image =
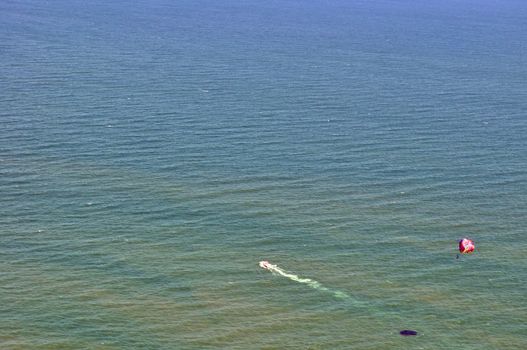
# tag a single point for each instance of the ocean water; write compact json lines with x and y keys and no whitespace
{"x":153,"y":152}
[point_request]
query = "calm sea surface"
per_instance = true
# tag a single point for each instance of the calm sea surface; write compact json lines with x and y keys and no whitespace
{"x":153,"y":152}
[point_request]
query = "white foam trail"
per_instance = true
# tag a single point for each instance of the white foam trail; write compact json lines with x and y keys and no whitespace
{"x":312,"y":283}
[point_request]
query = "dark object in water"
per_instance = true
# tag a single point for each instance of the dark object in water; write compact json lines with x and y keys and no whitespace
{"x":407,"y":332}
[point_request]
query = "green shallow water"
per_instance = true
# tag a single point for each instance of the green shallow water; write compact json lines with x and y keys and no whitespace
{"x":152,"y":154}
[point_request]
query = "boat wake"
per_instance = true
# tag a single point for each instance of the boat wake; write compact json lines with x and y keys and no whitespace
{"x":311,"y":283}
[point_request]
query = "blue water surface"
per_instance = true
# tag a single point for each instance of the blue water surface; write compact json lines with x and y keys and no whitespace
{"x":153,"y":152}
